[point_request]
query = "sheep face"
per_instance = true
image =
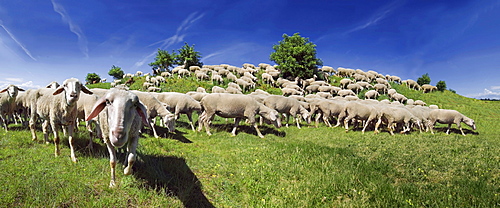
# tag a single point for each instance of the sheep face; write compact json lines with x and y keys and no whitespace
{"x":270,"y":115}
{"x":72,"y":88}
{"x":169,"y":121}
{"x":470,"y":122}
{"x":122,"y":108}
{"x":12,"y":90}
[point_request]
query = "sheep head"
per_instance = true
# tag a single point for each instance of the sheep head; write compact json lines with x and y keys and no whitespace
{"x":169,"y":121}
{"x":72,"y":88}
{"x":12,"y":90}
{"x":470,"y":122}
{"x":123,"y":108}
{"x":269,"y":115}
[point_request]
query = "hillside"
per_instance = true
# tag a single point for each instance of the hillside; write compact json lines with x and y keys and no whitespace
{"x":308,"y":167}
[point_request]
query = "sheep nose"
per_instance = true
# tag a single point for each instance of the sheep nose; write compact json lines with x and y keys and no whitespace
{"x":73,"y":94}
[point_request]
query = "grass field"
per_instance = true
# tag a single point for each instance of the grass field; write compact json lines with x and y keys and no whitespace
{"x":308,"y":167}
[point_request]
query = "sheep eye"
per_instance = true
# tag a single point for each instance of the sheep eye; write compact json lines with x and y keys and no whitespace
{"x":108,"y":102}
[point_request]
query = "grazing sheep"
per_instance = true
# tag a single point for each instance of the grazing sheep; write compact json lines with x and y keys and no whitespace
{"x":231,"y":76}
{"x":217,"y":89}
{"x":428,"y":88}
{"x":183,"y":73}
{"x":411,"y":84}
{"x":354,"y":87}
{"x":398,"y":115}
{"x":201,"y":76}
{"x":244,"y":84}
{"x":359,"y":111}
{"x":420,"y":102}
{"x":399,"y":97}
{"x":233,"y":90}
{"x":344,"y":83}
{"x":235,"y":106}
{"x":365,"y":85}
{"x":381,"y":88}
{"x":156,"y":108}
{"x":166,"y":74}
{"x":8,"y":103}
{"x":57,"y":109}
{"x":180,"y":104}
{"x":216,"y":78}
{"x":382,"y":81}
{"x":343,"y":93}
{"x":288,"y":106}
{"x":120,"y":114}
{"x":327,"y":109}
{"x":449,"y":117}
{"x":371,"y":94}
{"x":290,"y":91}
{"x":267,"y":78}
{"x":395,"y":79}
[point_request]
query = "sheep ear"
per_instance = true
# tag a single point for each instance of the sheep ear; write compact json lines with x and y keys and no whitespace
{"x":98,"y":107}
{"x":86,"y":90}
{"x":4,"y":90}
{"x":142,"y":111}
{"x":58,"y":90}
{"x":20,"y":89}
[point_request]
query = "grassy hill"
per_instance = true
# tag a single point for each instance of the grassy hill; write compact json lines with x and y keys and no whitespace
{"x":308,"y":167}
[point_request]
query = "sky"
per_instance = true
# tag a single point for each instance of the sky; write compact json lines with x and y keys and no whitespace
{"x":454,"y":41}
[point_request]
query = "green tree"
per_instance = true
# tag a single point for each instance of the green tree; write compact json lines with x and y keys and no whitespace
{"x":296,"y":57}
{"x":441,"y":85}
{"x":116,"y":72}
{"x":92,"y":78}
{"x":188,"y":56}
{"x":163,"y":60}
{"x":424,"y":79}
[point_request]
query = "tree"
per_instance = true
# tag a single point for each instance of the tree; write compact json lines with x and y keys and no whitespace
{"x":163,"y":60}
{"x":92,"y":78}
{"x":188,"y":56}
{"x":116,"y":72}
{"x":441,"y":85}
{"x":424,"y":79}
{"x":296,"y":57}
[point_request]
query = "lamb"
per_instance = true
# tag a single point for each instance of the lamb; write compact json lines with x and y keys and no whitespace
{"x":449,"y":117}
{"x":428,"y":88}
{"x":120,"y":114}
{"x":57,"y":109}
{"x":180,"y":104}
{"x":235,"y":106}
{"x":371,"y":94}
{"x":288,"y":106}
{"x":8,"y":103}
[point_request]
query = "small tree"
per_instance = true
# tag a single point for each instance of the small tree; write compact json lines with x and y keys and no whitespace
{"x":441,"y":85}
{"x":116,"y":72}
{"x":163,"y":60}
{"x":92,"y":78}
{"x":188,"y":57}
{"x":424,"y":79}
{"x":296,"y":56}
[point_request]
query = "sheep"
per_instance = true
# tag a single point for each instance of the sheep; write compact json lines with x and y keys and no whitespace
{"x":166,"y":74}
{"x":53,"y":85}
{"x":235,"y":106}
{"x":156,"y":108}
{"x":57,"y":109}
{"x":365,"y":85}
{"x":290,"y":91}
{"x":325,"y":95}
{"x":399,"y":115}
{"x":354,"y":87}
{"x":288,"y":106}
{"x":420,"y":102}
{"x":120,"y":114}
{"x":449,"y":117}
{"x":267,"y":78}
{"x":312,"y":89}
{"x":183,"y":73}
{"x":344,"y":93}
{"x":231,"y":76}
{"x":217,"y":89}
{"x":345,"y":82}
{"x":197,"y":95}
{"x":244,"y":84}
{"x":326,"y":109}
{"x":201,"y":76}
{"x":410,"y":102}
{"x":138,"y":73}
{"x":180,"y":104}
{"x":382,"y":81}
{"x":201,"y":89}
{"x":154,"y":89}
{"x":84,"y":107}
{"x":359,"y":111}
{"x":411,"y":84}
{"x":395,"y":79}
{"x":391,"y":92}
{"x":233,"y":90}
{"x":216,"y":78}
{"x":328,"y":69}
{"x":428,"y":88}
{"x":371,"y":94}
{"x":8,"y":103}
{"x":381,"y":88}
{"x":399,"y":97}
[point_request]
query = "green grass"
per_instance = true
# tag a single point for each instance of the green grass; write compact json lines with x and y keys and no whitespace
{"x":308,"y":167}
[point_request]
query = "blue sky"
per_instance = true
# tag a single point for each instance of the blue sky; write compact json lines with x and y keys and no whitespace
{"x":455,"y":41}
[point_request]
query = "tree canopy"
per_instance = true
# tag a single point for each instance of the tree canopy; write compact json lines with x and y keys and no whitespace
{"x":188,"y":56}
{"x":116,"y":72}
{"x":163,"y":60}
{"x":424,"y":79}
{"x":296,"y":56}
{"x":92,"y":78}
{"x":441,"y":85}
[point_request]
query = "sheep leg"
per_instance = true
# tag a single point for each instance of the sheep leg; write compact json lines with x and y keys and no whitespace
{"x":152,"y":126}
{"x":236,"y":122}
{"x":45,"y":126}
{"x":112,"y":162}
{"x":190,"y":118}
{"x":366,"y":124}
{"x":317,"y":119}
{"x":88,"y":125}
{"x":448,"y":130}
{"x":297,"y":121}
{"x":32,"y":123}
{"x":70,"y":139}
{"x":57,"y":140}
{"x":258,"y":131}
{"x":131,"y":150}
{"x":377,"y":125}
{"x":460,"y":127}
{"x":4,"y":122}
{"x":201,"y":120}
{"x":206,"y":122}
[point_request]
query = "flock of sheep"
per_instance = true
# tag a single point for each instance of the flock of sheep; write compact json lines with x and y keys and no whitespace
{"x":118,"y":115}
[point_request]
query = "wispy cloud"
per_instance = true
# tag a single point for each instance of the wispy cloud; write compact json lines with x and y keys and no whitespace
{"x":16,"y":41}
{"x":73,"y":27}
{"x":174,"y":39}
{"x":18,"y":82}
{"x":492,"y":93}
{"x":377,"y":17}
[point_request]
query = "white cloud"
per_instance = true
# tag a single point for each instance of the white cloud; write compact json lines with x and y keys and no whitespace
{"x":492,"y":93}
{"x":16,"y":41}
{"x":73,"y":27}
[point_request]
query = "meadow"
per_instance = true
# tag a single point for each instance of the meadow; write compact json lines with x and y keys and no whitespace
{"x":290,"y":167}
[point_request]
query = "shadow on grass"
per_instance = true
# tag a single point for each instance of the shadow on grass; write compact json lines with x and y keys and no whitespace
{"x":456,"y":131}
{"x":172,"y":176}
{"x":264,"y":129}
{"x":163,"y":133}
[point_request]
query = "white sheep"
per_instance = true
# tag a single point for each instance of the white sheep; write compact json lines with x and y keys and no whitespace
{"x":57,"y":109}
{"x":290,"y":91}
{"x":233,"y":90}
{"x":399,"y":97}
{"x":52,"y":85}
{"x":288,"y":106}
{"x":359,"y":111}
{"x":120,"y":114}
{"x":345,"y":82}
{"x":398,"y":115}
{"x":343,"y":93}
{"x":180,"y":104}
{"x":411,"y":84}
{"x":371,"y":94}
{"x":354,"y":87}
{"x":381,"y":88}
{"x":426,"y":88}
{"x":216,"y":78}
{"x":420,"y":102}
{"x":156,"y":108}
{"x":325,"y":108}
{"x":450,"y":117}
{"x":267,"y":78}
{"x":8,"y":103}
{"x":235,"y":106}
{"x":217,"y":89}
